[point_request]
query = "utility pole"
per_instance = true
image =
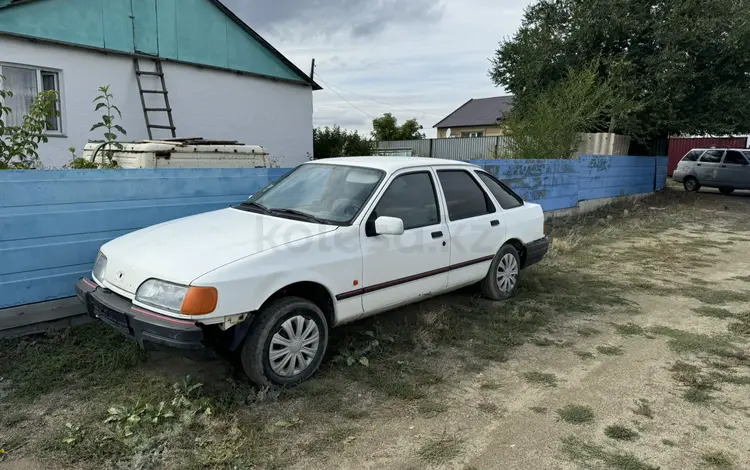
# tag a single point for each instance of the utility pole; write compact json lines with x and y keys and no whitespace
{"x":312,"y":70}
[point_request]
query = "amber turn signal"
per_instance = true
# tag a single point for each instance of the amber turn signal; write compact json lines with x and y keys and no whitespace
{"x":200,"y":301}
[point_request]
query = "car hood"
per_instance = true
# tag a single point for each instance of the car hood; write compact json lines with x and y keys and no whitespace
{"x":182,"y":250}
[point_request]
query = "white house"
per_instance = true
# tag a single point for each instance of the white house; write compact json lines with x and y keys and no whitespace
{"x":222,"y":81}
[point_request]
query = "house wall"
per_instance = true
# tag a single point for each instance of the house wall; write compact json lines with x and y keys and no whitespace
{"x":489,"y":131}
{"x":206,"y":103}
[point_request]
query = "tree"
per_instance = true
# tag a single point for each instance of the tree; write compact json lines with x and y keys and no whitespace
{"x":337,"y":142}
{"x":536,"y":130}
{"x":678,"y":66}
{"x":19,"y":144}
{"x":387,"y":128}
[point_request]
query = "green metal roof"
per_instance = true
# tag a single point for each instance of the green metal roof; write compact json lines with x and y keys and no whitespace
{"x":199,"y":32}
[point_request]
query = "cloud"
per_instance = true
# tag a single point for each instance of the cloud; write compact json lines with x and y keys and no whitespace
{"x":414,"y":58}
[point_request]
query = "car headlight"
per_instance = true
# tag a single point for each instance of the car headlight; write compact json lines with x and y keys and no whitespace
{"x":176,"y":298}
{"x":161,"y":294}
{"x":99,"y":267}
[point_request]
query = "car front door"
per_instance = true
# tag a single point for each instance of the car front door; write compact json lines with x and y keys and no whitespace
{"x":398,"y":269}
{"x":734,"y":171}
{"x":707,"y":168}
{"x":476,"y":226}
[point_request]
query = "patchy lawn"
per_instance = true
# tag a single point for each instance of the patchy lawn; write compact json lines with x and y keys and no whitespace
{"x":626,"y":348}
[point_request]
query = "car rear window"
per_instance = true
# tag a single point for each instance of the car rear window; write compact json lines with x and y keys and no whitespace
{"x":463,"y":195}
{"x":692,"y":156}
{"x":733,"y":157}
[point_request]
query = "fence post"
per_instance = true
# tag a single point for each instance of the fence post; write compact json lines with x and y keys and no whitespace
{"x":656,"y":167}
{"x":497,"y":146}
{"x":431,"y":156}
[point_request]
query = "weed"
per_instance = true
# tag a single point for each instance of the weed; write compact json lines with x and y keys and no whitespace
{"x":643,"y":408}
{"x":584,"y":354}
{"x":431,"y":408}
{"x":610,"y":350}
{"x":543,"y":342}
{"x":696,"y":395}
{"x":489,"y":386}
{"x":582,"y":452}
{"x":630,"y":329}
{"x":701,"y":427}
{"x":740,"y":328}
{"x":538,"y":409}
{"x":588,"y":331}
{"x":713,"y":312}
{"x":576,"y":414}
{"x":715,"y":296}
{"x":669,"y":442}
{"x":540,"y":378}
{"x":354,"y":413}
{"x":13,"y":418}
{"x":686,"y":342}
{"x":734,"y":379}
{"x":621,"y":433}
{"x":743,"y":278}
{"x":332,"y":439}
{"x":441,"y":449}
{"x":717,"y":459}
{"x":487,"y":407}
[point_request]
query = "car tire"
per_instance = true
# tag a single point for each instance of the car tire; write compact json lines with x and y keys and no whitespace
{"x":502,"y":279}
{"x":726,"y":191}
{"x":691,"y":184}
{"x":280,"y":333}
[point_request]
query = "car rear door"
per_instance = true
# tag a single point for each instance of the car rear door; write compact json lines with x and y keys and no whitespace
{"x":707,"y":168}
{"x":398,"y":269}
{"x":734,"y":171}
{"x":476,"y":225}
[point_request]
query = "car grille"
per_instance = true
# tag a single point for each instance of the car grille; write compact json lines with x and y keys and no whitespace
{"x":115,"y":319}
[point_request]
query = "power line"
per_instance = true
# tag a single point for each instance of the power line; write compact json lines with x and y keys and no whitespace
{"x":374,"y":100}
{"x":317,"y":77}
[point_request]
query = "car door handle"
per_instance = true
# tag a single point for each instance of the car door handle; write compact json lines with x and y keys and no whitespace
{"x":697,"y":164}
{"x":494,"y":223}
{"x":437,"y":234}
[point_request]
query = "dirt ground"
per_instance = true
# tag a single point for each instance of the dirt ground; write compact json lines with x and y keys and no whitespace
{"x":627,"y":348}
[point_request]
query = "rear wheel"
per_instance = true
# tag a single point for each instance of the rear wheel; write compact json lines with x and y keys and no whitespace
{"x":286,"y":343}
{"x":691,"y":184}
{"x":502,"y":279}
{"x":726,"y":191}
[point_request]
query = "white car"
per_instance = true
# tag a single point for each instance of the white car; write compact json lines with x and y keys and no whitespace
{"x":331,"y":242}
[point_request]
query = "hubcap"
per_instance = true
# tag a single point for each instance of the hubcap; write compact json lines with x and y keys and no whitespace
{"x":294,"y":346}
{"x":507,"y":273}
{"x":691,"y":184}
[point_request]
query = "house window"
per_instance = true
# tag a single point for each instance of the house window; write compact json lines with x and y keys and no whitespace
{"x":25,"y":83}
{"x":472,"y":134}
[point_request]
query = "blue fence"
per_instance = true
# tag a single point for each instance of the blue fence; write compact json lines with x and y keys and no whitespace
{"x":560,"y":184}
{"x":52,"y":223}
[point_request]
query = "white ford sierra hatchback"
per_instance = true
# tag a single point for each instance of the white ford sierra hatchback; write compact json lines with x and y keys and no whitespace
{"x":331,"y":242}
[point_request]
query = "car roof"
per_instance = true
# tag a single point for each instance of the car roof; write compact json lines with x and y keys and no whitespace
{"x":390,"y":164}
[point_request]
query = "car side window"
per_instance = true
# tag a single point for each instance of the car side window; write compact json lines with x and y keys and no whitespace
{"x":463,"y":195}
{"x":712,"y":156}
{"x":411,"y":198}
{"x":692,"y":156}
{"x":504,"y":196}
{"x":734,"y":157}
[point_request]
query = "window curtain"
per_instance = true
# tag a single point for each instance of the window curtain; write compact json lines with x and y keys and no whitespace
{"x":22,"y":82}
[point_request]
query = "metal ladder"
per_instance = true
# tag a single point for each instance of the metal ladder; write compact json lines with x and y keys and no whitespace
{"x":159,"y":72}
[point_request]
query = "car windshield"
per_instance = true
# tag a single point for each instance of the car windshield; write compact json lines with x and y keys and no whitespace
{"x":329,"y":194}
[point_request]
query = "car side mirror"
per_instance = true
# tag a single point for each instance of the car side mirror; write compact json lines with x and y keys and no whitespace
{"x":389,"y":226}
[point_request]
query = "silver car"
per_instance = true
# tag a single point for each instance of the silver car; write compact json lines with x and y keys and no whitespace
{"x":726,"y":169}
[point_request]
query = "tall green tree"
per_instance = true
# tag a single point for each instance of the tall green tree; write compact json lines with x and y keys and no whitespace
{"x":387,"y":128}
{"x":337,"y":142}
{"x":679,"y":66}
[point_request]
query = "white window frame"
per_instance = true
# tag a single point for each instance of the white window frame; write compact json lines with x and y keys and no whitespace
{"x":58,"y":84}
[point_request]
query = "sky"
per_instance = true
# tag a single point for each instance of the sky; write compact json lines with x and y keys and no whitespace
{"x":414,"y":58}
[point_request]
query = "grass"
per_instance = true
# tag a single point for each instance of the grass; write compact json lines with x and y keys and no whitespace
{"x":582,"y":452}
{"x":584,"y":354}
{"x":699,"y":343}
{"x":587,"y":331}
{"x":540,"y":378}
{"x":743,"y":278}
{"x":487,"y":407}
{"x":714,"y":312}
{"x":669,"y":442}
{"x":643,"y":408}
{"x":431,"y":408}
{"x":739,"y":328}
{"x":715,"y":296}
{"x":717,"y":459}
{"x":576,"y":414}
{"x":699,"y":385}
{"x":489,"y":386}
{"x":540,"y":410}
{"x":630,"y":329}
{"x":734,"y":379}
{"x":696,"y":395}
{"x":610,"y":350}
{"x":543,"y":342}
{"x":620,"y":433}
{"x":441,"y":449}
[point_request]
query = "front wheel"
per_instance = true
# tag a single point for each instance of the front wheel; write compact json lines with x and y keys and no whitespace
{"x":286,"y":343}
{"x":691,"y":184}
{"x":726,"y":191}
{"x":502,"y":279}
